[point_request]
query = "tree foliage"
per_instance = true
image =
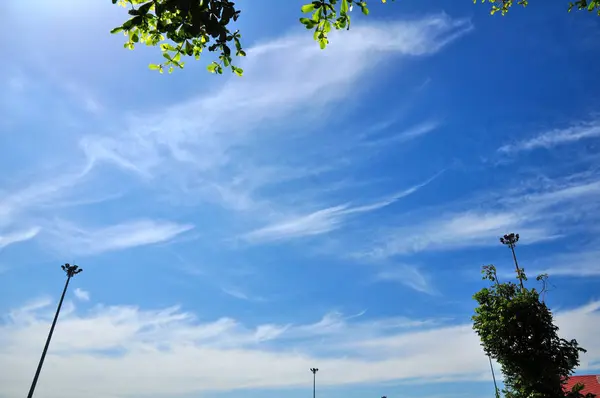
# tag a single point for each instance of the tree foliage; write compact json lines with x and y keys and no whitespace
{"x":186,"y":28}
{"x":516,"y":328}
{"x":503,"y":6}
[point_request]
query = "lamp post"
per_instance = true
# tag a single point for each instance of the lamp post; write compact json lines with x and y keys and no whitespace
{"x":497,"y":393}
{"x":511,"y":240}
{"x":314,"y":372}
{"x":71,"y":271}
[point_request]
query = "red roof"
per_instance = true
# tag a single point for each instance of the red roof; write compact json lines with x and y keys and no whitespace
{"x":591,"y":383}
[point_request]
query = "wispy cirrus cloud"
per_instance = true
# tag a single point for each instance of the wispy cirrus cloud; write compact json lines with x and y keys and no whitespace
{"x":240,"y":294}
{"x":408,"y":275}
{"x":408,"y":134}
{"x":555,"y":137}
{"x":218,"y":162}
{"x":539,"y":213}
{"x":584,"y":263}
{"x":76,"y":239}
{"x":322,"y":221}
{"x":17,"y":236}
{"x":18,"y":205}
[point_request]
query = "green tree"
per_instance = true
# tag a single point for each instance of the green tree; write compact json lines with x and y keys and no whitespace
{"x":185,"y":28}
{"x":516,"y":328}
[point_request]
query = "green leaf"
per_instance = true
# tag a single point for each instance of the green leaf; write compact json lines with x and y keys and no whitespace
{"x":167,"y":47}
{"x":316,"y":16}
{"x":116,"y":30}
{"x":238,"y":71}
{"x":591,"y":6}
{"x":308,"y":23}
{"x":154,"y":66}
{"x":308,"y":8}
{"x":344,"y":7}
{"x":144,"y":8}
{"x":189,"y":49}
{"x":212,"y":68}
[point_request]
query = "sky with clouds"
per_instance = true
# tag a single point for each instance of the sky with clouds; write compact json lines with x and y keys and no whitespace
{"x":330,"y":209}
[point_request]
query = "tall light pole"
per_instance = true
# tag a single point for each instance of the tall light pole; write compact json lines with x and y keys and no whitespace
{"x":511,"y":240}
{"x":314,"y":372}
{"x":497,"y":393}
{"x":71,"y":271}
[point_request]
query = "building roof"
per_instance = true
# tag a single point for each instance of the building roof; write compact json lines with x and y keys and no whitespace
{"x":591,"y":383}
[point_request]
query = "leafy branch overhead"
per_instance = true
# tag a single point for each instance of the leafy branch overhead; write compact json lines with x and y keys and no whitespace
{"x":186,"y":28}
{"x":183,"y":28}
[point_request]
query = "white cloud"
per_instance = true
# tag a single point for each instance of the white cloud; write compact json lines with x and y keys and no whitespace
{"x":539,"y":216}
{"x":123,"y":351}
{"x":411,"y":133}
{"x":581,"y":264}
{"x":18,"y":236}
{"x":580,"y":324}
{"x":236,"y":293}
{"x":82,"y":294}
{"x":555,"y":137}
{"x":322,"y":221}
{"x":75,"y":239}
{"x":240,"y":294}
{"x":17,"y":207}
{"x":408,"y":275}
{"x":453,"y":232}
{"x":14,"y":204}
{"x":319,"y":222}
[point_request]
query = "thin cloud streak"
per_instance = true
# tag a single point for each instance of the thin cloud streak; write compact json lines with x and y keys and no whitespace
{"x":540,"y":216}
{"x":411,"y":133}
{"x":322,"y":221}
{"x":75,"y":239}
{"x":408,"y":275}
{"x":18,"y":236}
{"x":241,"y":295}
{"x":581,"y":264}
{"x":555,"y":137}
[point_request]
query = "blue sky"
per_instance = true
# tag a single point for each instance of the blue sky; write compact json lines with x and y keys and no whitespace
{"x":330,"y":208}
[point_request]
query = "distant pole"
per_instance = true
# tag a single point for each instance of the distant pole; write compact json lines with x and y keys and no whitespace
{"x":494,"y":377}
{"x":71,"y":271}
{"x":511,"y":240}
{"x":314,"y":372}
